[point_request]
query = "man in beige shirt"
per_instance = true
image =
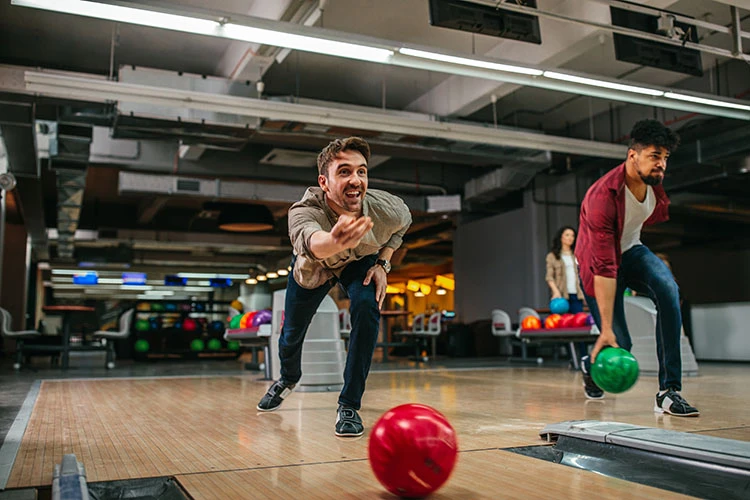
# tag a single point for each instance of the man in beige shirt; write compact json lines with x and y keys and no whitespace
{"x":341,"y":233}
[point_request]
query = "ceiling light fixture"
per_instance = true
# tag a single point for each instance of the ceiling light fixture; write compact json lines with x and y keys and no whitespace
{"x":347,"y":45}
{"x":709,"y":102}
{"x":209,"y":27}
{"x":603,"y":83}
{"x":464,"y":61}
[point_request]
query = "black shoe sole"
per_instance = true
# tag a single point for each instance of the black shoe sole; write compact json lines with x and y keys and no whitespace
{"x":349,"y":435}
{"x":593,"y":398}
{"x":267,"y":409}
{"x":662,"y":410}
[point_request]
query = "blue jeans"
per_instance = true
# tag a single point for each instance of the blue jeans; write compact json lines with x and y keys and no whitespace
{"x":647,"y":274}
{"x":300,"y":306}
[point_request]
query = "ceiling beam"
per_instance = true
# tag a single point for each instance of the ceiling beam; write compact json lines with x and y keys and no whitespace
{"x":91,"y":88}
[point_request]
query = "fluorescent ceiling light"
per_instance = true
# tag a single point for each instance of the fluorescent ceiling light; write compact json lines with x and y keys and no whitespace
{"x":476,"y":63}
{"x":208,"y":27}
{"x":272,"y":275}
{"x":212,"y":275}
{"x":323,"y":41}
{"x":709,"y":102}
{"x":306,"y":43}
{"x":603,"y":83}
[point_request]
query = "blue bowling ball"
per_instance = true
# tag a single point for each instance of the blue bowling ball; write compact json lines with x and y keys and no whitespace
{"x":559,"y":305}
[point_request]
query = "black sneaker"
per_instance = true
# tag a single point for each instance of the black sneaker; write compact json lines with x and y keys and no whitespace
{"x":275,"y":396}
{"x":348,"y":423}
{"x":673,"y":403}
{"x":589,"y":386}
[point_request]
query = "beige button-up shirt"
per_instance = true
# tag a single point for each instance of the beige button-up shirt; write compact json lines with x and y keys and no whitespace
{"x":390,"y":216}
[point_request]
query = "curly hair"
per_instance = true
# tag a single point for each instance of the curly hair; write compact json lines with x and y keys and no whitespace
{"x":339,"y":145}
{"x":557,"y":241}
{"x":647,"y":133}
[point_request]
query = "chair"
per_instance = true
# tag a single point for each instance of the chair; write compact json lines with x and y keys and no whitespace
{"x":501,"y":324}
{"x":432,"y":331}
{"x":18,"y":336}
{"x":525,"y":312}
{"x":345,"y":325}
{"x":110,"y":337}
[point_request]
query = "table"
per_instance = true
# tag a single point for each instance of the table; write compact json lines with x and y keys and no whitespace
{"x":66,"y":312}
{"x":385,"y":334}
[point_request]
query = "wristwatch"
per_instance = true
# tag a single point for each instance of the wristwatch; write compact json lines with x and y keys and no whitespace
{"x":385,"y":264}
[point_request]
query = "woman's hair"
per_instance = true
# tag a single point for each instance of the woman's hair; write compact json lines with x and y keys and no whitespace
{"x":557,"y":243}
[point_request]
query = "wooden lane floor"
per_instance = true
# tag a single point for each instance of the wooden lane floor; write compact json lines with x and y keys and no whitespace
{"x":478,"y":475}
{"x":131,"y":428}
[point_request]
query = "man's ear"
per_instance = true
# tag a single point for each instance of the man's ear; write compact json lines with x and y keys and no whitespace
{"x":323,"y":183}
{"x":632,"y":153}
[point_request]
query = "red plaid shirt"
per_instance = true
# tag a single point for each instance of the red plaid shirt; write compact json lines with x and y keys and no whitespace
{"x":600,"y":228}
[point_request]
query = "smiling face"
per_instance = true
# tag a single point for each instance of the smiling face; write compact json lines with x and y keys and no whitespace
{"x":650,"y":163}
{"x":345,"y":183}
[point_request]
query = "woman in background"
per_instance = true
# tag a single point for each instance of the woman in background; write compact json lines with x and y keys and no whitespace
{"x":562,"y":275}
{"x":562,"y":270}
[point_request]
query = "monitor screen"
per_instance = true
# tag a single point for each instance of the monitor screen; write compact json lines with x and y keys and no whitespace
{"x":220,"y":282}
{"x":86,"y":279}
{"x":133,"y":278}
{"x":173,"y":280}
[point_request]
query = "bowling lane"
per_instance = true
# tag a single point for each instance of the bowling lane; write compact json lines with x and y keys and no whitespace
{"x":480,"y":475}
{"x":130,"y":428}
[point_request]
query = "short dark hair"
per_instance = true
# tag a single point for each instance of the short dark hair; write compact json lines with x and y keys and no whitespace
{"x":647,"y":133}
{"x":340,"y":145}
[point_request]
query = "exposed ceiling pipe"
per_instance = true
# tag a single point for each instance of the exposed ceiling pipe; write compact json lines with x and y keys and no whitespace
{"x":83,"y":88}
{"x":70,"y":187}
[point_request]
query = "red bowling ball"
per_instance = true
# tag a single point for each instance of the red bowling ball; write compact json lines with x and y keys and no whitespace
{"x":412,"y":450}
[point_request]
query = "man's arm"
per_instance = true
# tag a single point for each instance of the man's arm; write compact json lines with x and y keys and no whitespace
{"x":605,"y":290}
{"x":602,"y":219}
{"x":347,"y":233}
{"x":550,"y":276}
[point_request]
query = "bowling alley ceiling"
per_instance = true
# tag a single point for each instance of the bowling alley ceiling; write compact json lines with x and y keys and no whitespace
{"x":436,"y":136}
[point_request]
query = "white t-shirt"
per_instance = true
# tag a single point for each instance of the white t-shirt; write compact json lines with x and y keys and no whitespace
{"x":636,"y":213}
{"x":570,"y":273}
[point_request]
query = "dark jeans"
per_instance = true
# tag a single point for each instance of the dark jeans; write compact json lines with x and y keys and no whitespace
{"x":647,"y":274}
{"x":300,"y":307}
{"x":576,"y":306}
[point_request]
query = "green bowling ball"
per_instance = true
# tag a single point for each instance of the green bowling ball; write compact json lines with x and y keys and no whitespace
{"x":214,"y":344}
{"x":235,"y":321}
{"x":141,"y":345}
{"x":233,"y":345}
{"x":197,"y":345}
{"x":142,"y":325}
{"x":615,"y":370}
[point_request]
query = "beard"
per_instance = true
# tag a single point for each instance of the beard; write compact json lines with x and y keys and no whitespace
{"x":651,"y":180}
